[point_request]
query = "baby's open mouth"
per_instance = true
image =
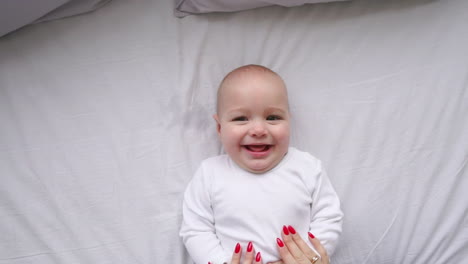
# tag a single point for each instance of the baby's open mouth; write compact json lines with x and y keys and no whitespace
{"x":257,"y":148}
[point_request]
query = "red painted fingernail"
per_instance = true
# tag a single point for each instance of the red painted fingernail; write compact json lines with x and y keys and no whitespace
{"x":310,"y":235}
{"x":285,"y":230}
{"x":292,"y":230}
{"x":209,"y":262}
{"x":258,"y":257}
{"x":280,"y":243}
{"x":237,"y":248}
{"x":249,"y":247}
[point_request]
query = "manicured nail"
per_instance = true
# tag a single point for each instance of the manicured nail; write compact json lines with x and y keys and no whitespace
{"x":258,"y":257}
{"x":280,"y":243}
{"x":285,"y":230}
{"x":237,"y":250}
{"x":310,"y":235}
{"x":209,"y":262}
{"x":292,"y":230}
{"x":249,"y":247}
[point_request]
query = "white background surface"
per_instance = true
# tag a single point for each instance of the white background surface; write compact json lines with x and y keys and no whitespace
{"x":105,"y":116}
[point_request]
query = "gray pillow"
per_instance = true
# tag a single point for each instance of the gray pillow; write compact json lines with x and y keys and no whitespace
{"x":187,"y":7}
{"x":15,"y":14}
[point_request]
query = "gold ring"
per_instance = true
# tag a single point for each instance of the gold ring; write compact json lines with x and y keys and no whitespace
{"x":315,"y":259}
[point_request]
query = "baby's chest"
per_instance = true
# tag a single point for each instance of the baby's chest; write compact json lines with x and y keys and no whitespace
{"x":262,"y":199}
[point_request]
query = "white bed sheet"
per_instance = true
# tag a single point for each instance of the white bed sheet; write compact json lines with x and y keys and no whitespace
{"x":105,"y":116}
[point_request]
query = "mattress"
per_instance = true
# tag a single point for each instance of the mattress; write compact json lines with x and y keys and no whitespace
{"x":106,"y":116}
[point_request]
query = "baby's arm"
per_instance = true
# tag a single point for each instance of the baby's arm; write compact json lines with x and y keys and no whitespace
{"x":326,"y":215}
{"x":198,"y":231}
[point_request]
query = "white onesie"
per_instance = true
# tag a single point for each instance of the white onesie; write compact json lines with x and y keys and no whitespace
{"x":225,"y":204}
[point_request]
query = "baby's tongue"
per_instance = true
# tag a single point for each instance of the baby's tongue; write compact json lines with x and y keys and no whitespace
{"x":257,"y":148}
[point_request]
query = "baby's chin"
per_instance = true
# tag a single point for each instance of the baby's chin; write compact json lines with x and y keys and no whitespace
{"x":259,"y":168}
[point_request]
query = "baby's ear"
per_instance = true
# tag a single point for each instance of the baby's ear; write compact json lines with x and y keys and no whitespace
{"x":218,"y":124}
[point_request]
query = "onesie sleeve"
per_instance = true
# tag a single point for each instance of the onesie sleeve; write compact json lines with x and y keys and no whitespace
{"x":326,"y":215}
{"x":197,"y":230}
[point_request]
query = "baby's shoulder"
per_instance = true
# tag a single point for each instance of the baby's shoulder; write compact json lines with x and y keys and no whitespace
{"x":306,"y":167}
{"x":303,"y":159}
{"x":216,"y":163}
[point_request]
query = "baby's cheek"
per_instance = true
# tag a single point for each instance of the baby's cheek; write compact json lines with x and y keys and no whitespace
{"x":283,"y":139}
{"x":283,"y":131}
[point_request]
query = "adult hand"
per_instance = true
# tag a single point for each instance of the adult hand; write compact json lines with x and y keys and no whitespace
{"x":250,"y":256}
{"x":294,"y":249}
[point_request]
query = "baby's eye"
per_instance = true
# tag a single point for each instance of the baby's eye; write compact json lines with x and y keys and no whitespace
{"x":273,"y":117}
{"x":240,"y":118}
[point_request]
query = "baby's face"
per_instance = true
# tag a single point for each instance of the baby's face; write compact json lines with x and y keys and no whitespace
{"x":253,"y":120}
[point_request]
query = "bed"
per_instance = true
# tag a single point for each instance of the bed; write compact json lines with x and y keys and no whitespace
{"x":105,"y":116}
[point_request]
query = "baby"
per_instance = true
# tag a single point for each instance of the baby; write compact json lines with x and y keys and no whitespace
{"x":262,"y":183}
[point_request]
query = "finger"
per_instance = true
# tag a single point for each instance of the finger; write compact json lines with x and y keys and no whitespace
{"x":236,"y":256}
{"x":293,"y":248}
{"x":284,"y":252}
{"x":250,"y":254}
{"x":258,"y":258}
{"x":303,"y":246}
{"x":276,"y":262}
{"x":320,"y":249}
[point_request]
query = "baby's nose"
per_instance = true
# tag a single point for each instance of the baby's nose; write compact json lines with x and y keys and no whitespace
{"x":258,"y":129}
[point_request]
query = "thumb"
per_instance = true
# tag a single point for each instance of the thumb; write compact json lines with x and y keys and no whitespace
{"x":276,"y":262}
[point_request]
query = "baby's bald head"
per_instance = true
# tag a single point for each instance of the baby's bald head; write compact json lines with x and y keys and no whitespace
{"x":243,"y":73}
{"x":253,"y":117}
